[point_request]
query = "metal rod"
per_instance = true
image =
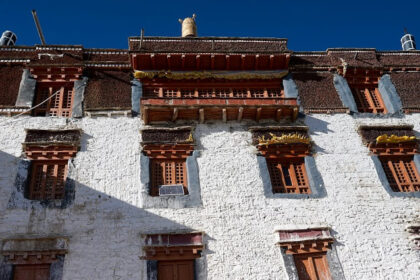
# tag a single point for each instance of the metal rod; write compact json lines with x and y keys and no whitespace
{"x":141,"y":38}
{"x":38,"y":27}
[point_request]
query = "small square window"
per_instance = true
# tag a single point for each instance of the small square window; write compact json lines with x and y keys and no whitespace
{"x":368,"y":99}
{"x":288,"y":175}
{"x":173,"y":256}
{"x":401,"y":173}
{"x":31,"y":272}
{"x":59,"y":105}
{"x":309,"y":249}
{"x":47,"y":180}
{"x":174,"y":270}
{"x":312,"y":266}
{"x":167,"y":172}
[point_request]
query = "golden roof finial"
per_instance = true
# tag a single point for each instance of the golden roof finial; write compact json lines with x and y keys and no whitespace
{"x":189,"y":28}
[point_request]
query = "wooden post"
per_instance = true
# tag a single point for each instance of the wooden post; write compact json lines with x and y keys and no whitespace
{"x":240,"y":113}
{"x":201,"y":113}
{"x":278,"y":114}
{"x":175,"y":114}
{"x":258,"y":116}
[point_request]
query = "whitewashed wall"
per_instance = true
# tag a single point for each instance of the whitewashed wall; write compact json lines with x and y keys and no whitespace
{"x":106,"y":220}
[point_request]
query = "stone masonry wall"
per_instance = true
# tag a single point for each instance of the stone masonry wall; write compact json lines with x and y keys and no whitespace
{"x":105,"y":222}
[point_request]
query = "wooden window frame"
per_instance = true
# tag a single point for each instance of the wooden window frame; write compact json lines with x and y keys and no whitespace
{"x":172,"y":170}
{"x":174,"y":249}
{"x":292,"y":156}
{"x":176,"y":274}
{"x":31,"y":270}
{"x":368,"y":99}
{"x":169,"y":154}
{"x":58,"y":106}
{"x":58,"y":184}
{"x":401,"y":172}
{"x":298,"y":183}
{"x":312,"y":270}
{"x":309,"y":249}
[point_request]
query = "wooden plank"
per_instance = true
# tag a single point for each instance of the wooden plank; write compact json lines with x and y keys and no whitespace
{"x":145,"y":115}
{"x":279,"y":114}
{"x":258,"y":116}
{"x":240,"y":113}
{"x":198,"y":61}
{"x":201,"y":115}
{"x":175,"y":114}
{"x":295,"y":113}
{"x":169,"y":59}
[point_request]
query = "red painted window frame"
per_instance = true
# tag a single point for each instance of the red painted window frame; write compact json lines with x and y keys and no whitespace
{"x":285,"y":177}
{"x":58,"y":106}
{"x":401,"y":172}
{"x":162,"y":174}
{"x":40,"y":179}
{"x":368,"y":99}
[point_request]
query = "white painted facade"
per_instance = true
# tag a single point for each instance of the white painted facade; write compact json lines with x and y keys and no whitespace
{"x":105,"y":222}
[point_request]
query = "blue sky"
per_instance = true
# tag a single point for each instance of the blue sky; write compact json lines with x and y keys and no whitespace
{"x":309,"y":25}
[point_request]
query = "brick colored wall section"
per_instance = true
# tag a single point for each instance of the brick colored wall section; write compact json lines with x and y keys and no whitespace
{"x":108,"y":90}
{"x":408,"y":88}
{"x":316,"y":90}
{"x":9,"y":84}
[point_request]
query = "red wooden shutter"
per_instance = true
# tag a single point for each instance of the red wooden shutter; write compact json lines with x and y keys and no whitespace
{"x":31,"y":272}
{"x":176,"y":270}
{"x":368,"y":99}
{"x":288,"y":176}
{"x":312,"y":266}
{"x":60,"y":105}
{"x":167,"y":172}
{"x":401,"y":173}
{"x":48,"y":180}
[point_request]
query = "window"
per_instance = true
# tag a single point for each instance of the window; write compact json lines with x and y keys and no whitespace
{"x":176,"y":270}
{"x":288,"y":175}
{"x":31,"y":272}
{"x":168,"y":168}
{"x":49,"y":152}
{"x":368,"y":99}
{"x":309,"y":249}
{"x":47,"y":180}
{"x":173,"y":256}
{"x":284,"y":150}
{"x":168,"y":172}
{"x":312,"y":266}
{"x":394,"y":149}
{"x":59,"y":105}
{"x":401,"y":173}
{"x":33,"y":259}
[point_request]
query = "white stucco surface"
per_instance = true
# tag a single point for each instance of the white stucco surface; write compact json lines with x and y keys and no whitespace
{"x":107,"y":217}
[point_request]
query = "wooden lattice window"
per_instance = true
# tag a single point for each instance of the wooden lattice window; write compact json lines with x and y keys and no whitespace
{"x":48,"y":180}
{"x":59,"y":105}
{"x":214,"y":92}
{"x":167,"y":172}
{"x":176,"y":270}
{"x":312,"y":266}
{"x":368,"y":99}
{"x":401,"y":173}
{"x":288,"y":175}
{"x":31,"y":272}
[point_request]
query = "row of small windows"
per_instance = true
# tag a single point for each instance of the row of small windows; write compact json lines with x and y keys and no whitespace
{"x":177,"y":256}
{"x":288,"y":174}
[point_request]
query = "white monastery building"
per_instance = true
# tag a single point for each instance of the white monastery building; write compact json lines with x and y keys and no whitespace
{"x":190,"y":157}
